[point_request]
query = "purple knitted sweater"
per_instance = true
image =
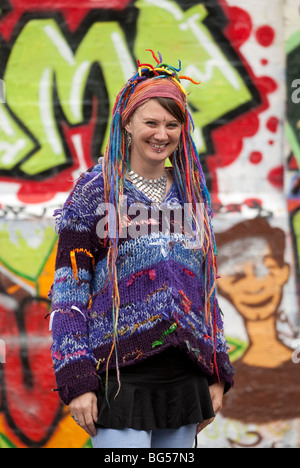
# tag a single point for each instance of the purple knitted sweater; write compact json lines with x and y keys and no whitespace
{"x":160,"y":280}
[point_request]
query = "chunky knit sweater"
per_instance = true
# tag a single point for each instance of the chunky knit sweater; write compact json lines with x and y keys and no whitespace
{"x":160,"y":281}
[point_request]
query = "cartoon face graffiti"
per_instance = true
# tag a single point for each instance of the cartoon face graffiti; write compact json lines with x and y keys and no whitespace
{"x":252,"y":277}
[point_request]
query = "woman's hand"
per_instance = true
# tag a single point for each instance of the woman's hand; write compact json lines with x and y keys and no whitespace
{"x":84,"y":411}
{"x":217,"y":394}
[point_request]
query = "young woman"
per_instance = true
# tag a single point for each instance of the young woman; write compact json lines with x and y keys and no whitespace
{"x":138,"y":344}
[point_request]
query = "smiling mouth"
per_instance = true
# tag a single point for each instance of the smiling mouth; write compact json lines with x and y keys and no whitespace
{"x":158,"y":148}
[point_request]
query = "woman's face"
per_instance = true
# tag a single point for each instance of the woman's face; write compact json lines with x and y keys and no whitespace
{"x":154,"y":133}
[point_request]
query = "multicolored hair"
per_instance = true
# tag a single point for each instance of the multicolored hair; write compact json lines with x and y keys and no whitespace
{"x":187,"y":174}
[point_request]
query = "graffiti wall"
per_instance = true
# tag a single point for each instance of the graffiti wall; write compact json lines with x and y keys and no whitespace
{"x":61,"y":65}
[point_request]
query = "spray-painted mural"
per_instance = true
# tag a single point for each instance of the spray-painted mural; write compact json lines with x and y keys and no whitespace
{"x":61,"y":66}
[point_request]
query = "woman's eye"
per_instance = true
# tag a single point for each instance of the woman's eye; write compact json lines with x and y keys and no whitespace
{"x":170,"y":126}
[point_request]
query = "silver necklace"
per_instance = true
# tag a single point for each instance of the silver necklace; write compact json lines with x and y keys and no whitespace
{"x":155,"y":189}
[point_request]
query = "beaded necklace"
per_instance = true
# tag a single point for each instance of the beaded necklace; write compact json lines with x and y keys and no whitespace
{"x":155,"y":189}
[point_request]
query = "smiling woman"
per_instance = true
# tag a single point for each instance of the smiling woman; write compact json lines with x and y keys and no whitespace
{"x":155,"y":135}
{"x":154,"y":118}
{"x":141,"y":312}
{"x":154,"y":131}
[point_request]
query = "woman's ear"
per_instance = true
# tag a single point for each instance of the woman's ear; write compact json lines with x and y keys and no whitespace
{"x":128,"y":127}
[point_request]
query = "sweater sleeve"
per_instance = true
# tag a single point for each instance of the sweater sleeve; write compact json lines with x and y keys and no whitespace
{"x":74,"y":363}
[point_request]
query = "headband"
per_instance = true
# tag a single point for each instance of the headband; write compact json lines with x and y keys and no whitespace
{"x":152,"y":88}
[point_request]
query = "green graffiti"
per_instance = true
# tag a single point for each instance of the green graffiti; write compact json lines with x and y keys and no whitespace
{"x":15,"y":144}
{"x":41,"y":55}
{"x":5,"y":442}
{"x":42,"y":59}
{"x":25,"y":246}
{"x":237,"y":348}
{"x":223,"y":88}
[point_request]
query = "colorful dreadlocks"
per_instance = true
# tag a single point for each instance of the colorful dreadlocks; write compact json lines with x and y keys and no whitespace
{"x":187,"y":173}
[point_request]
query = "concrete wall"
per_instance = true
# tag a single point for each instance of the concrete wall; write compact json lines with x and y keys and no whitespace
{"x":61,"y":65}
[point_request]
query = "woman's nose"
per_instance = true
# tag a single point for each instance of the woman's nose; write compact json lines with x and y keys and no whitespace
{"x":161,"y":133}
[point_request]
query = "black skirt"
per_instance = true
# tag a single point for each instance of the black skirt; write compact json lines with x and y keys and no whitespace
{"x":166,"y":391}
